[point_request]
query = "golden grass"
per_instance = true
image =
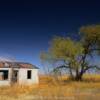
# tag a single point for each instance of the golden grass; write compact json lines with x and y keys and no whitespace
{"x":51,"y":89}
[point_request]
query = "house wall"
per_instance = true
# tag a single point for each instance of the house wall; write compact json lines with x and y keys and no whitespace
{"x":6,"y":82}
{"x":23,"y":76}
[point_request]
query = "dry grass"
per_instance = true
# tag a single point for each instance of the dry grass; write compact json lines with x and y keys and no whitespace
{"x":51,"y":89}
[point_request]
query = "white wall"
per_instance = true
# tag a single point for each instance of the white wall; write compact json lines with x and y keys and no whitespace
{"x":23,"y":76}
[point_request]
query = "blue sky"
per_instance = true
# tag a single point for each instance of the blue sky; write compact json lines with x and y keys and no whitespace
{"x":27,"y":26}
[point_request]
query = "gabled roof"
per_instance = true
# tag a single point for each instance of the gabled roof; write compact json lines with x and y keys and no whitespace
{"x":6,"y":64}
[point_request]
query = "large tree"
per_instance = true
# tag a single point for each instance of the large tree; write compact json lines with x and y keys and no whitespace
{"x":75,"y":54}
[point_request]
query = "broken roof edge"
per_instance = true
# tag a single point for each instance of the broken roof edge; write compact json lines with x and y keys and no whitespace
{"x":18,"y":65}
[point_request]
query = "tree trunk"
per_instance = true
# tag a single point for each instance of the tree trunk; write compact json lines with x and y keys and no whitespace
{"x":78,"y":76}
{"x":71,"y":74}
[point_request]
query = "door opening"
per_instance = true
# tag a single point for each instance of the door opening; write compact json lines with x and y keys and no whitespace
{"x":15,"y":76}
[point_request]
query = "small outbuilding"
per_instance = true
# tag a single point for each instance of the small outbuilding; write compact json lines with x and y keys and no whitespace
{"x":18,"y":72}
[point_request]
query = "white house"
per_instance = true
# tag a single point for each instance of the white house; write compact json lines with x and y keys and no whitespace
{"x":18,"y":72}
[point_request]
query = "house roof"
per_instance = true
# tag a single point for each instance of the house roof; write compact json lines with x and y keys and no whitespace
{"x":6,"y":64}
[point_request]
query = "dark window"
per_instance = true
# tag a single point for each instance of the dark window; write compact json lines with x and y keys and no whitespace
{"x":4,"y":74}
{"x":29,"y":72}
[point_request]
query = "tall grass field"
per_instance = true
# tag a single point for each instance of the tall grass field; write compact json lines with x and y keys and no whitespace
{"x":50,"y":88}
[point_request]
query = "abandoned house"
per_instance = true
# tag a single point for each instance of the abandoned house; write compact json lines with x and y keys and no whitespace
{"x":18,"y":72}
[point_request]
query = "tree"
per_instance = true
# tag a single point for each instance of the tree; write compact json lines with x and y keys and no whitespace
{"x":74,"y":54}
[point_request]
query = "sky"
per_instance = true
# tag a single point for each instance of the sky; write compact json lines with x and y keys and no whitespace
{"x":27,"y":26}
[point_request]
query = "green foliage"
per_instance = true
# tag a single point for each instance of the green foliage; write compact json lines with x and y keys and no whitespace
{"x":91,"y":38}
{"x":90,"y":33}
{"x":65,"y":48}
{"x":46,"y":57}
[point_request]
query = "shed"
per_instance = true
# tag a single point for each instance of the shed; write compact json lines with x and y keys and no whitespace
{"x":18,"y":72}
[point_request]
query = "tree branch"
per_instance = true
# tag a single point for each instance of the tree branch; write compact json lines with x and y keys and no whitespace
{"x":60,"y":67}
{"x":90,"y":67}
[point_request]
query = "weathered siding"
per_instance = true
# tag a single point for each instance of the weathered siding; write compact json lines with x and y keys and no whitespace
{"x":23,"y":76}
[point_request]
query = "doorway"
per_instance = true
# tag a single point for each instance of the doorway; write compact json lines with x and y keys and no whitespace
{"x":15,"y":76}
